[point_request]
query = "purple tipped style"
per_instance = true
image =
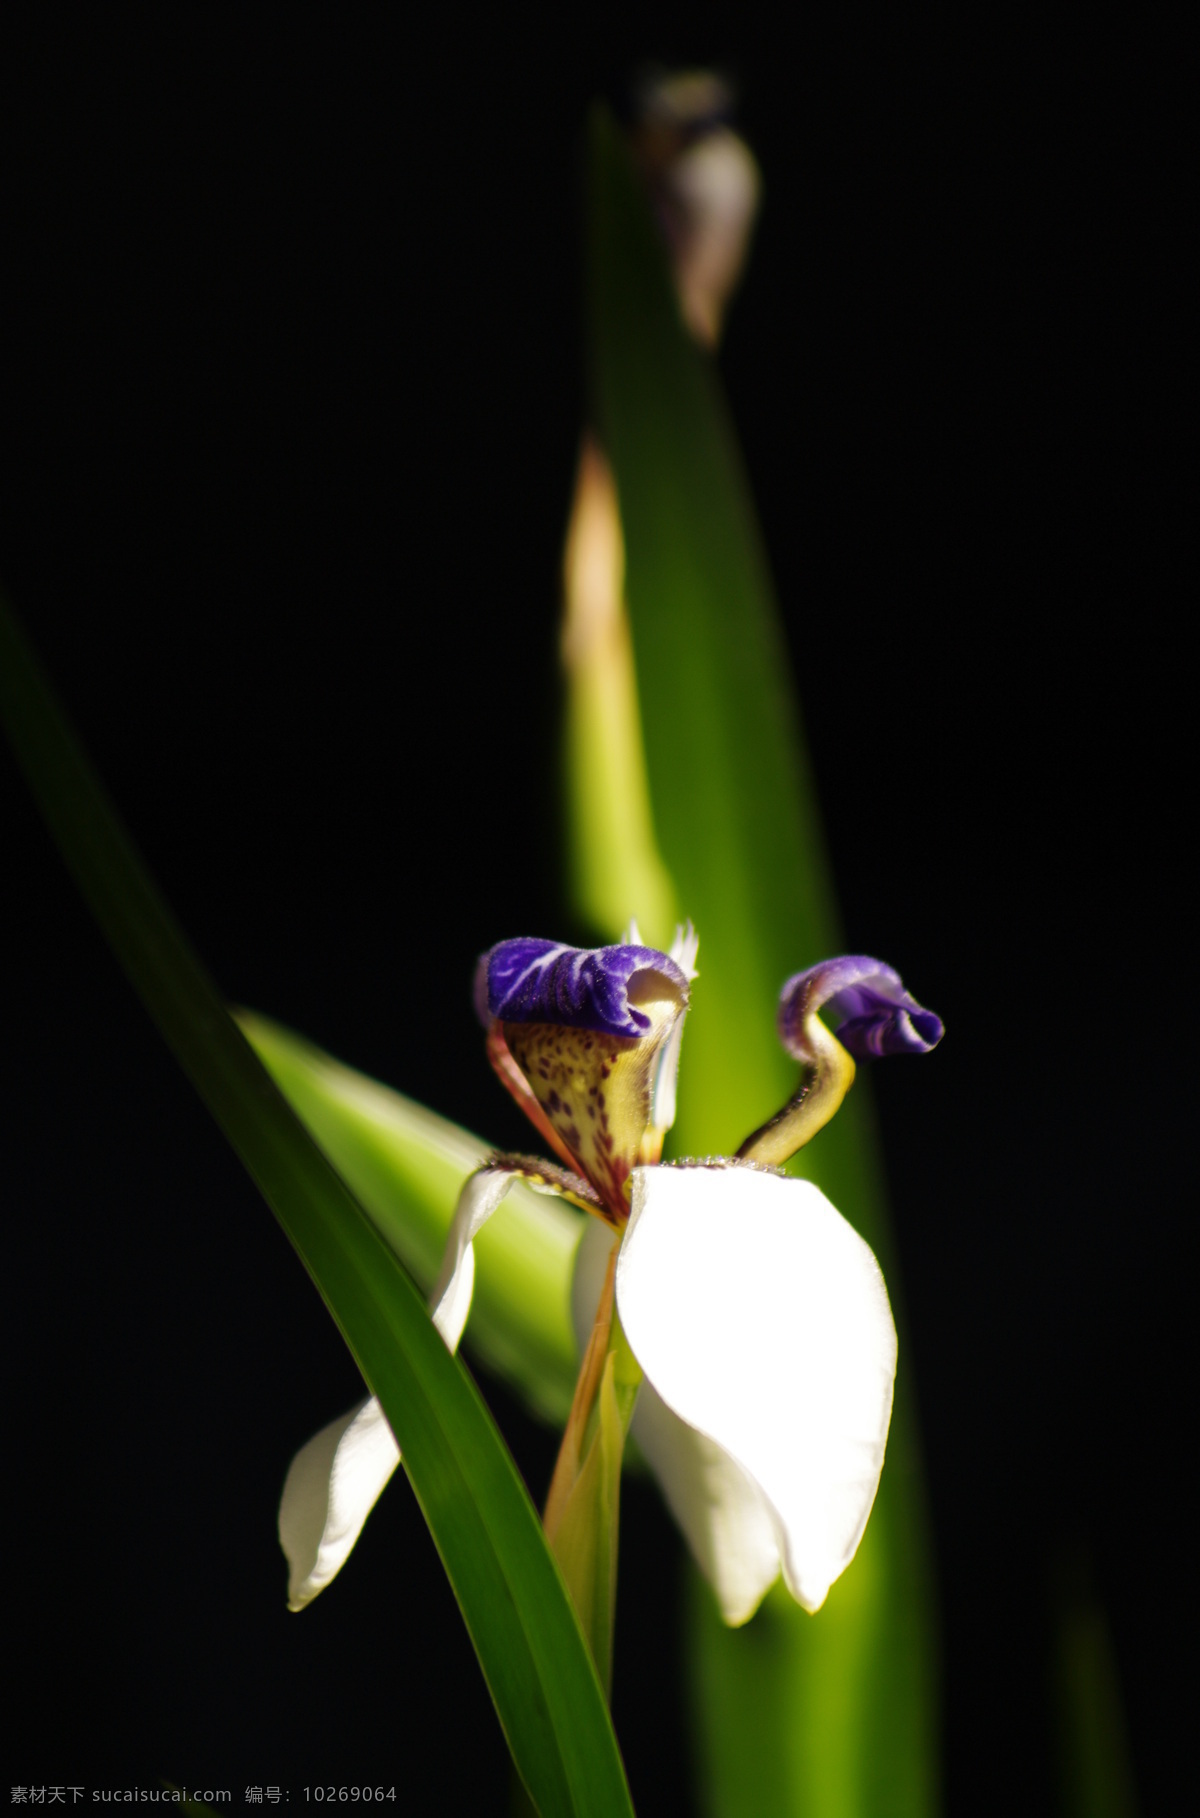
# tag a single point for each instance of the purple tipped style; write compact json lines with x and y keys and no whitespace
{"x":530,"y":981}
{"x":875,"y":1014}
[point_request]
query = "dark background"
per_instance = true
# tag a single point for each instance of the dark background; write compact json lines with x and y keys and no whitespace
{"x":290,"y":391}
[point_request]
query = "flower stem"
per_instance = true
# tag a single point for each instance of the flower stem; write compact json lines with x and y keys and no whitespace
{"x":583,"y":1507}
{"x":566,"y":1469}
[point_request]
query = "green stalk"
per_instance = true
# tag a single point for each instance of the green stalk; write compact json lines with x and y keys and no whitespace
{"x":586,"y":1539}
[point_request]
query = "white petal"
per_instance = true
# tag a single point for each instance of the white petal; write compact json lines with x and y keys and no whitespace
{"x":683,"y":950}
{"x":725,"y":1518}
{"x":666,"y":1072}
{"x":450,"y":1301}
{"x":721,"y":1511}
{"x":335,"y":1480}
{"x":587,"y":1279}
{"x":332,"y":1486}
{"x":762,"y":1320}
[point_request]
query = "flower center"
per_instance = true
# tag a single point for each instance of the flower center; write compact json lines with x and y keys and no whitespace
{"x":596,"y":1089}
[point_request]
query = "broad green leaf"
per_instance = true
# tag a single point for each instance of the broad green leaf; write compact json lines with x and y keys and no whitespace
{"x":405,"y":1165}
{"x":525,"y":1633}
{"x":837,"y":1713}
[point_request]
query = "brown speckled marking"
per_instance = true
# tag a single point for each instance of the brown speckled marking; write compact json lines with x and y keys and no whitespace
{"x":541,"y":1173}
{"x":594,"y":1091}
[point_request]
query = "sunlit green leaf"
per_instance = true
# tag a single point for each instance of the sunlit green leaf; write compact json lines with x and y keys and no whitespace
{"x":485,"y":1528}
{"x":405,"y":1166}
{"x":837,"y":1713}
{"x":613,"y":861}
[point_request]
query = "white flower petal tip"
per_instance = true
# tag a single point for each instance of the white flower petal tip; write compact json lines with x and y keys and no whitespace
{"x":332,"y":1485}
{"x":761,"y":1318}
{"x":683,"y":950}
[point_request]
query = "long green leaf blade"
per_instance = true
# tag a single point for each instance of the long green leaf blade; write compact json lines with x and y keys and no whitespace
{"x":405,"y":1166}
{"x":837,"y":1714}
{"x":485,"y":1528}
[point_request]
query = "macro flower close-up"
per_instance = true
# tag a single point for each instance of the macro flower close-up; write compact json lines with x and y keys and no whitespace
{"x":757,"y":1316}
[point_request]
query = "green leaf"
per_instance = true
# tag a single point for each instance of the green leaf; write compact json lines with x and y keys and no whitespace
{"x":1095,"y":1767}
{"x":525,"y":1633}
{"x":405,"y":1165}
{"x":837,"y":1713}
{"x":613,"y":861}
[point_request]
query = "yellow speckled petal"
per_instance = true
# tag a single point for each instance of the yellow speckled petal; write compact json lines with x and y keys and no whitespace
{"x":596,"y":1089}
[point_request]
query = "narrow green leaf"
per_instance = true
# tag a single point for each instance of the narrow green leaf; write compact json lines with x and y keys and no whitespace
{"x":405,"y":1166}
{"x":1095,"y":1766}
{"x":838,"y":1712}
{"x":512,"y":1598}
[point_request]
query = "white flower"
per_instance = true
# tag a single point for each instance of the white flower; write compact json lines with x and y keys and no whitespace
{"x":758,"y":1315}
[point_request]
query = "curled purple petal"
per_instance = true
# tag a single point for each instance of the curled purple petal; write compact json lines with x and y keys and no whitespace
{"x":874,"y":1014}
{"x":536,"y":981}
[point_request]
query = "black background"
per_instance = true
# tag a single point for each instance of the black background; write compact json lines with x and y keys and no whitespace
{"x":290,"y":392}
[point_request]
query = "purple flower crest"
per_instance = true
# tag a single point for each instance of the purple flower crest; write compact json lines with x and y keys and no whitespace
{"x":533,"y":981}
{"x":875,"y":1014}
